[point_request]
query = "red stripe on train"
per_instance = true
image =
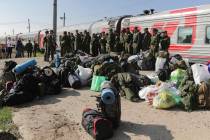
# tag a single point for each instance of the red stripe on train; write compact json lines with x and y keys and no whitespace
{"x":174,"y":47}
{"x":184,"y":10}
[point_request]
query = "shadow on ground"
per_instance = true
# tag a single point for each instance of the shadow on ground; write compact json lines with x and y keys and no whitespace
{"x":154,"y":132}
{"x":51,"y":99}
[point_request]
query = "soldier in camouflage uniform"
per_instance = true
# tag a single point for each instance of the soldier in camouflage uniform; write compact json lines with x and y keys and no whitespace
{"x":46,"y":46}
{"x":103,"y":41}
{"x":86,"y":42}
{"x":117,"y":47}
{"x":110,"y":41}
{"x":64,"y":44}
{"x":128,"y":41}
{"x":77,"y":40}
{"x":72,"y":42}
{"x":122,"y":40}
{"x":155,"y":40}
{"x":69,"y":49}
{"x":136,"y":41}
{"x":52,"y":44}
{"x":95,"y":45}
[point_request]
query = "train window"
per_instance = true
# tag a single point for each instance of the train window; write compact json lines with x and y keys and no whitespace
{"x":208,"y":35}
{"x":185,"y":35}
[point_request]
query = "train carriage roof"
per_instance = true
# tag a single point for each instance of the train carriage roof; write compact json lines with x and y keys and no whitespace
{"x":203,"y":9}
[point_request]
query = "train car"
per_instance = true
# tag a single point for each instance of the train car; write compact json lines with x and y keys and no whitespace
{"x":189,"y":29}
{"x":30,"y":36}
{"x":106,"y":24}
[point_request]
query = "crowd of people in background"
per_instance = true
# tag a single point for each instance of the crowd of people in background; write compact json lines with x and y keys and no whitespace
{"x":7,"y":50}
{"x":130,"y":42}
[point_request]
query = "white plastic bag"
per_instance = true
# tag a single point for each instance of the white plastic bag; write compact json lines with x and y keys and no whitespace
{"x":160,"y":62}
{"x":144,"y":92}
{"x":135,"y":58}
{"x":84,"y":73}
{"x":200,"y":73}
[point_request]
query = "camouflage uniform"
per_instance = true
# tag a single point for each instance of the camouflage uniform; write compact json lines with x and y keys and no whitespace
{"x":122,"y":41}
{"x":128,"y":42}
{"x":136,"y":42}
{"x":86,"y":43}
{"x":64,"y":44}
{"x":77,"y":41}
{"x":103,"y":42}
{"x":46,"y":46}
{"x":155,"y":40}
{"x":110,"y":41}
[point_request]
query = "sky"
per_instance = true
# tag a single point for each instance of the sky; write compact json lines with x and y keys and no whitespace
{"x":14,"y":14}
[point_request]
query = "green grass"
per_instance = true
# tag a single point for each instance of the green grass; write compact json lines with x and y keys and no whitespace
{"x":5,"y":119}
{"x":39,"y":54}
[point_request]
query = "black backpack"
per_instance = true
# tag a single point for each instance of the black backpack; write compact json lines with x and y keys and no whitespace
{"x":52,"y":84}
{"x":74,"y":81}
{"x":24,"y":91}
{"x":9,"y":65}
{"x":96,"y":124}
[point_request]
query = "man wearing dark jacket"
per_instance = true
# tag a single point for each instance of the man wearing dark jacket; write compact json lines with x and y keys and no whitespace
{"x":146,"y":39}
{"x":29,"y":48}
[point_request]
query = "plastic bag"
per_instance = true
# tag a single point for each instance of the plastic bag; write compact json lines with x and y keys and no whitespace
{"x":96,"y":83}
{"x":200,"y":73}
{"x":145,"y":91}
{"x":153,"y":77}
{"x":160,"y":62}
{"x":84,"y":73}
{"x":164,"y":100}
{"x":177,"y":76}
{"x":135,"y":58}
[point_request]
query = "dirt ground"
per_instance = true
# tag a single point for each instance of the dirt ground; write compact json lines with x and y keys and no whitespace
{"x":59,"y":118}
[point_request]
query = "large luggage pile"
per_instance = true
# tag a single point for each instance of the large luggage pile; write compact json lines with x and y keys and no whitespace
{"x":179,"y":85}
{"x":25,"y":82}
{"x":174,"y":83}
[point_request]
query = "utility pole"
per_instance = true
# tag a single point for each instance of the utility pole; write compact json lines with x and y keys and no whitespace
{"x":64,"y":19}
{"x":55,"y":18}
{"x":13,"y":31}
{"x":29,"y":25}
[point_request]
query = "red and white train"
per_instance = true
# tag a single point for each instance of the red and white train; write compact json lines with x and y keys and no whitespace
{"x":189,"y":29}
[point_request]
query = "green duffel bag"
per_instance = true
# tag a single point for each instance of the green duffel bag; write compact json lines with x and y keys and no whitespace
{"x":96,"y":83}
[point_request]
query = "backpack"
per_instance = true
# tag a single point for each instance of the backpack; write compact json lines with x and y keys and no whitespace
{"x":112,"y":111}
{"x":147,"y":62}
{"x":203,"y":95}
{"x":9,"y":65}
{"x":24,"y":91}
{"x":129,"y":84}
{"x":6,"y":77}
{"x":96,"y":124}
{"x":74,"y":81}
{"x":108,"y":69}
{"x":162,"y":75}
{"x":52,"y":83}
{"x":63,"y":76}
{"x":188,"y":90}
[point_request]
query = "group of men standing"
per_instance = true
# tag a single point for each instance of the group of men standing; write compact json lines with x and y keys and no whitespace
{"x":131,"y":42}
{"x":20,"y":48}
